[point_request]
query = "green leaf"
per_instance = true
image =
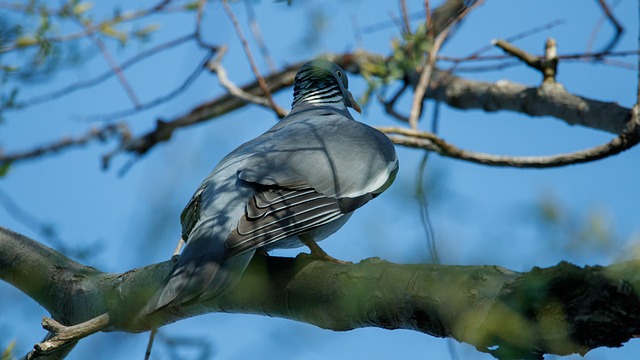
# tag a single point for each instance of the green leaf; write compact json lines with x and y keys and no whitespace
{"x":8,"y":68}
{"x":26,"y":40}
{"x":144,"y":33}
{"x":108,"y":30}
{"x":4,"y":170}
{"x":7,"y":354}
{"x":192,"y":5}
{"x":81,"y":8}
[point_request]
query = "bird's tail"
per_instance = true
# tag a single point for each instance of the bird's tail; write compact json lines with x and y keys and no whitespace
{"x":196,"y":270}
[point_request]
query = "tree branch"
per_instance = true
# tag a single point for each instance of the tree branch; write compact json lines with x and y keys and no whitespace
{"x":430,"y":141}
{"x":547,"y":100}
{"x":558,"y":310}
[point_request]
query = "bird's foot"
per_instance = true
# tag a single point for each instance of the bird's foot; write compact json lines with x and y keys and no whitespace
{"x":319,"y":254}
{"x":179,"y":246}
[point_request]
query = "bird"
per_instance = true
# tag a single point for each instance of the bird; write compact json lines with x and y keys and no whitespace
{"x":294,"y":185}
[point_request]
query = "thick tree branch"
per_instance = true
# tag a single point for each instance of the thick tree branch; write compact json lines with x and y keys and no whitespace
{"x":559,"y":310}
{"x":548,"y":100}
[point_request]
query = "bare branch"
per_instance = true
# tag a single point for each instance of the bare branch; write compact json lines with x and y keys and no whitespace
{"x":389,"y":105}
{"x":119,"y":130}
{"x":425,"y":76}
{"x":104,"y":76}
{"x":117,"y":70}
{"x":257,"y":35}
{"x":121,"y":17}
{"x":575,"y":56}
{"x":65,"y":335}
{"x":46,"y":230}
{"x":429,"y":141}
{"x":476,"y":54}
{"x":547,"y":66}
{"x":265,"y":89}
{"x":215,"y":66}
{"x":608,"y":15}
{"x":164,"y":98}
{"x":204,"y":112}
{"x":546,"y":100}
{"x":502,"y":312}
{"x":406,"y":26}
{"x":638,"y":60}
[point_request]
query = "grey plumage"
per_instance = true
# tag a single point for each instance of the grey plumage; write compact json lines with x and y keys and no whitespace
{"x":302,"y":178}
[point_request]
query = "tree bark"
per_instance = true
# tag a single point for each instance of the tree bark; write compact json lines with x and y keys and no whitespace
{"x":561,"y":310}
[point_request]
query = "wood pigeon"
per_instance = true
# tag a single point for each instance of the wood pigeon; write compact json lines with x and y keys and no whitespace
{"x":294,"y":185}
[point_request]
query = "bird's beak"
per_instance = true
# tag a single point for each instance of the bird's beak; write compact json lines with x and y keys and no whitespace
{"x":353,"y":103}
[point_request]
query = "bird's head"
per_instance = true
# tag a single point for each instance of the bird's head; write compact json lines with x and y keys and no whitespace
{"x":321,"y":82}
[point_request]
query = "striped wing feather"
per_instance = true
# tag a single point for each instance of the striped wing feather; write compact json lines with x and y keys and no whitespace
{"x":276,"y":214}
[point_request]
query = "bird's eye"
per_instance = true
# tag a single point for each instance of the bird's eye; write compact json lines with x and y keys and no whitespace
{"x":339,"y":73}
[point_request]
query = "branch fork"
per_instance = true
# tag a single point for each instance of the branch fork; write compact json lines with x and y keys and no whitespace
{"x":63,"y":335}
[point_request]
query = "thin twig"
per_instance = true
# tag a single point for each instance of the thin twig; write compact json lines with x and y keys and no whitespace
{"x":215,"y":66}
{"x":199,"y":15}
{"x":121,"y":17}
{"x":608,"y":15}
{"x":104,"y":76}
{"x":547,"y":65}
{"x":65,"y":335}
{"x":429,"y":141}
{"x":263,"y":85}
{"x":116,"y":69}
{"x":405,"y":17}
{"x":357,"y":33}
{"x":152,"y":335}
{"x":638,"y":76}
{"x":210,"y":109}
{"x":529,"y":59}
{"x":161,"y":99}
{"x":120,"y":130}
{"x":476,"y":54}
{"x":427,"y":16}
{"x":257,"y":35}
{"x":389,"y":105}
{"x":575,"y":56}
{"x":423,"y":83}
{"x":46,"y":230}
{"x":488,"y":96}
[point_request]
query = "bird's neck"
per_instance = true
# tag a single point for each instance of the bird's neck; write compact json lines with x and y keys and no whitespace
{"x":322,"y":94}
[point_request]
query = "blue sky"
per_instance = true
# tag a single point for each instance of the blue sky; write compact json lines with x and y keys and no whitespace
{"x":481,"y":215}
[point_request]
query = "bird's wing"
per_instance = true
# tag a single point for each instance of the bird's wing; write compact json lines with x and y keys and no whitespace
{"x":326,"y":151}
{"x":191,"y":213}
{"x":274,"y":214}
{"x":322,"y":167}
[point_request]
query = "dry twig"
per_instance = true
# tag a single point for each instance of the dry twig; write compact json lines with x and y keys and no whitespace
{"x":119,"y":130}
{"x":431,"y":142}
{"x":65,"y":335}
{"x":608,"y":15}
{"x":547,"y":65}
{"x":263,"y":85}
{"x":425,"y":76}
{"x":215,"y":66}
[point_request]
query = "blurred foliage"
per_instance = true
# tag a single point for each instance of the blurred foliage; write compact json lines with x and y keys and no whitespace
{"x":408,"y":55}
{"x":46,"y":38}
{"x":316,"y":24}
{"x":7,"y":354}
{"x":577,"y":233}
{"x":4,"y":169}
